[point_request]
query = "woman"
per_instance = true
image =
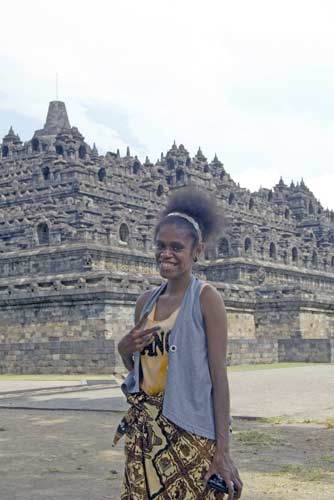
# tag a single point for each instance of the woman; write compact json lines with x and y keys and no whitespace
{"x":177,"y":427}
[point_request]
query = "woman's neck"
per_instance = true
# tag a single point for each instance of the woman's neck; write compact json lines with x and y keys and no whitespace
{"x":178,"y":286}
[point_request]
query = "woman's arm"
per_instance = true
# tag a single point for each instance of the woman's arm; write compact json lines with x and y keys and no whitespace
{"x":125,"y":345}
{"x":216,"y":330}
{"x":215,"y":320}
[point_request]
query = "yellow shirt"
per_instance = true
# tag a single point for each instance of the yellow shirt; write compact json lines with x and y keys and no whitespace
{"x":154,"y":357}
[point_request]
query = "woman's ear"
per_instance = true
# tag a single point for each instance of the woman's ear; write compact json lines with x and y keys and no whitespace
{"x":198,"y":250}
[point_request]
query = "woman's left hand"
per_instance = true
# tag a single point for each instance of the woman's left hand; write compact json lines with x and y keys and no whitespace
{"x":223,"y":465}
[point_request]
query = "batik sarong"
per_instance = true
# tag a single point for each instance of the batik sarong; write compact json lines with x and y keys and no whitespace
{"x":163,"y":461}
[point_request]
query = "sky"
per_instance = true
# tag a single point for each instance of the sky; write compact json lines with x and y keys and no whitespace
{"x":250,"y":81}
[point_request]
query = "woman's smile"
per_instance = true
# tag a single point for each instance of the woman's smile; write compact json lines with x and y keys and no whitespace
{"x":167,"y":264}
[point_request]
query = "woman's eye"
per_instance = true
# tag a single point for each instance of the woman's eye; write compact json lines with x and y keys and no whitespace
{"x":159,"y":247}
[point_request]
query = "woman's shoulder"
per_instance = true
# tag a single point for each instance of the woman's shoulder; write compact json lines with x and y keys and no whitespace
{"x":141,"y":301}
{"x":213,"y":310}
{"x":209,"y":295}
{"x":207,"y":289}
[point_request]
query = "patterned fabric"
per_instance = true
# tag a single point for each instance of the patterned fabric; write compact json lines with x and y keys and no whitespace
{"x":163,"y":461}
{"x":154,"y":357}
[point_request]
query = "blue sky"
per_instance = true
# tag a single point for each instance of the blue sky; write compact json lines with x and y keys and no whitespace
{"x":250,"y":81}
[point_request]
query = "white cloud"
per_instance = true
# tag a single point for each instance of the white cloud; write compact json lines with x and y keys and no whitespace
{"x":322,"y":187}
{"x":251,"y":81}
{"x":254,"y":178}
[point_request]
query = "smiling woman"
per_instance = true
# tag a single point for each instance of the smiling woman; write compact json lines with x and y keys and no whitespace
{"x":177,"y":427}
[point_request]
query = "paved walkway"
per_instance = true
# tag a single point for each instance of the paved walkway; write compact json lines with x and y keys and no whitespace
{"x":298,"y":392}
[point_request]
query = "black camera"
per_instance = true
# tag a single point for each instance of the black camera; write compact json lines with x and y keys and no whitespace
{"x":218,"y":483}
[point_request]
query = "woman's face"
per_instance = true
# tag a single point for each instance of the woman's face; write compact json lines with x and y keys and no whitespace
{"x":174,"y":252}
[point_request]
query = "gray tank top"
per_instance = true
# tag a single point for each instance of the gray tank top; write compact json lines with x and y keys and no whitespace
{"x":188,"y":399}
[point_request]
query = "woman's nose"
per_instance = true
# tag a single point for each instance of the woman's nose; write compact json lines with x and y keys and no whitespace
{"x":166,"y":251}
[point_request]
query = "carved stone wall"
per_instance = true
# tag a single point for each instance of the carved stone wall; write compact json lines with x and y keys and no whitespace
{"x":76,"y":250}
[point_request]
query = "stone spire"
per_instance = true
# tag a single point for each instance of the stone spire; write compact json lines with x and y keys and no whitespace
{"x":199,"y":155}
{"x":11,"y":137}
{"x":95,"y":151}
{"x":56,"y":120}
{"x":11,"y":132}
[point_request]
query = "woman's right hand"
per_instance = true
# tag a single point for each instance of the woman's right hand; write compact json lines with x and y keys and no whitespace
{"x":137,"y":338}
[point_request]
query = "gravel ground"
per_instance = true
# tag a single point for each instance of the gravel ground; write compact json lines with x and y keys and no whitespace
{"x":51,"y":455}
{"x":48,"y":451}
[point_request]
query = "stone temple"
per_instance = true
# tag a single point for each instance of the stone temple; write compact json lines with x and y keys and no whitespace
{"x":76,"y":250}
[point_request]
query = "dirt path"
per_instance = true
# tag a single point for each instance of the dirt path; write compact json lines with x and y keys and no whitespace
{"x":51,"y":455}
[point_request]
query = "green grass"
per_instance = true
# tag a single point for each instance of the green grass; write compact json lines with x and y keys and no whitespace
{"x":280,"y":419}
{"x":55,"y":377}
{"x":283,"y":419}
{"x":329,"y":423}
{"x":270,"y":366}
{"x":84,"y":376}
{"x":305,"y":473}
{"x":256,"y":437}
{"x":327,"y":459}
